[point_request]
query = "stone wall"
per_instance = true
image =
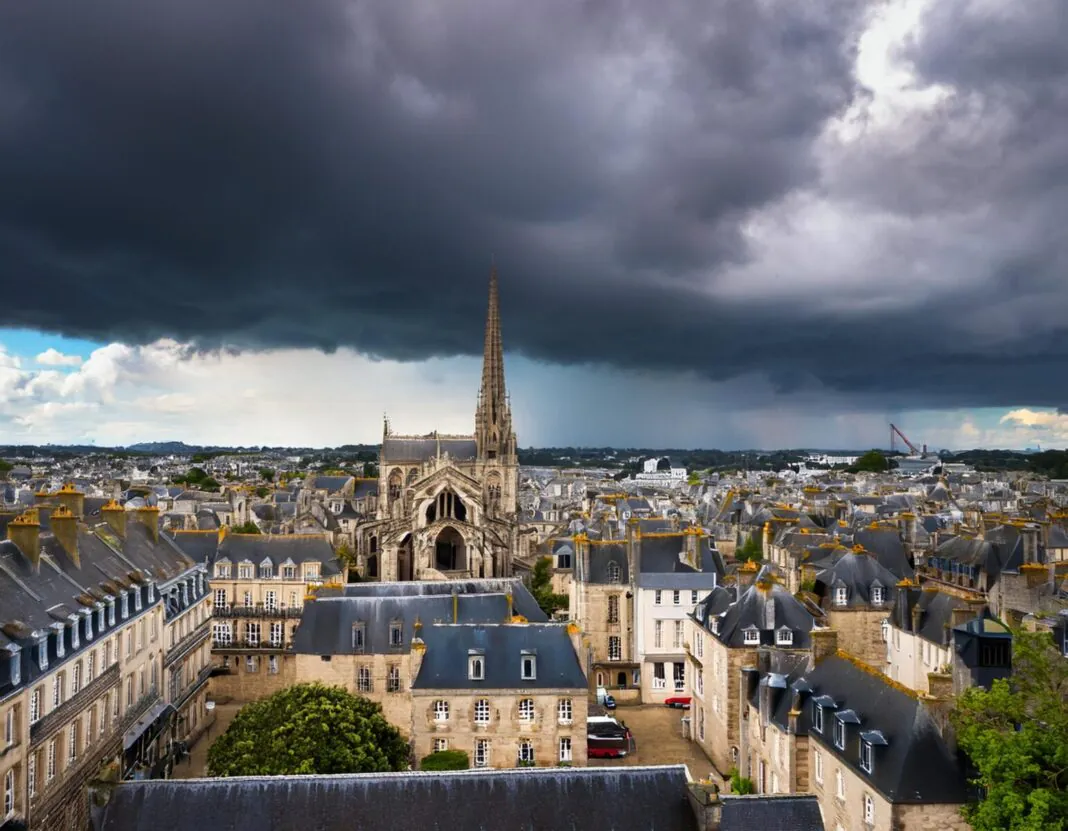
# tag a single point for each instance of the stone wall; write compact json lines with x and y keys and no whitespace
{"x":860,"y":633}
{"x":929,"y":818}
{"x":247,"y":681}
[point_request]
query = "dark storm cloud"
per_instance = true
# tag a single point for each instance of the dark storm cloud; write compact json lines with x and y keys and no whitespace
{"x":324,"y":173}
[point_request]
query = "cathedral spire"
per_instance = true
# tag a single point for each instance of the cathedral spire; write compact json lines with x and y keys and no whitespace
{"x":493,"y":421}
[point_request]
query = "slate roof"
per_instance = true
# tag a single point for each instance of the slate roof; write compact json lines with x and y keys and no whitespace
{"x":660,"y":567}
{"x":601,"y":555}
{"x":199,"y":545}
{"x":766,"y":812}
{"x":533,"y":799}
{"x":300,"y":548}
{"x":858,"y":573}
{"x":448,"y":647}
{"x":889,"y":549}
{"x":331,"y":484}
{"x":936,"y":613}
{"x":915,"y":766}
{"x":427,"y":447}
{"x":523,"y":601}
{"x":751,"y":611}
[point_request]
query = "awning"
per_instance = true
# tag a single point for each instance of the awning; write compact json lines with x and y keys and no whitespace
{"x":151,"y":717}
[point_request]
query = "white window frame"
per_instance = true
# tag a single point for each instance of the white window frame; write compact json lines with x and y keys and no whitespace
{"x":867,"y":755}
{"x":526,"y":710}
{"x":565,"y":749}
{"x":784,"y":637}
{"x":35,"y":705}
{"x":9,"y":793}
{"x":841,"y":596}
{"x":441,"y":711}
{"x":817,"y":717}
{"x":564,"y":711}
{"x":482,"y":753}
{"x":482,"y":711}
{"x":751,"y":637}
{"x":615,"y":648}
{"x":528,"y":668}
{"x":676,"y":597}
{"x":869,"y":809}
{"x":658,"y":634}
{"x":659,"y":676}
{"x":658,"y":598}
{"x":364,"y":682}
{"x":476,"y":668}
{"x":839,"y":734}
{"x":526,"y":751}
{"x":441,"y":745}
{"x":839,"y":784}
{"x":878,"y":595}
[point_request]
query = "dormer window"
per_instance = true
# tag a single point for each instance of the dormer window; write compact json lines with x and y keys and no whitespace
{"x":266,"y":570}
{"x":866,"y":754}
{"x":42,"y":652}
{"x":124,"y":603}
{"x":841,"y":596}
{"x":784,"y":637}
{"x":61,"y":646}
{"x":222,"y":570}
{"x":75,"y":640}
{"x":16,"y":666}
{"x":359,"y":636}
{"x":111,"y":612}
{"x":528,"y":666}
{"x":751,"y":636}
{"x":878,"y":595}
{"x":244,"y":571}
{"x":615,"y":573}
{"x":715,"y":625}
{"x":100,"y":617}
{"x":818,"y":705}
{"x":476,"y":666}
{"x":839,"y":734}
{"x":396,"y":634}
{"x":89,"y":626}
{"x":137,"y":599}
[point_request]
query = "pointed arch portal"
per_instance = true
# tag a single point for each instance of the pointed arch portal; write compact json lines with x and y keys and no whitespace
{"x":450,"y":551}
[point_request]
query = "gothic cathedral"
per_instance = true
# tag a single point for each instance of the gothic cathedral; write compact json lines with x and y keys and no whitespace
{"x":447,"y":503}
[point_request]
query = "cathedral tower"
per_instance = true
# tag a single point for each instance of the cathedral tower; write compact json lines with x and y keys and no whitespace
{"x":493,"y":418}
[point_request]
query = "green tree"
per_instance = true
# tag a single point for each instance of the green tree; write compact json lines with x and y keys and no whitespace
{"x":370,"y":470}
{"x":694,"y":478}
{"x":752,"y":549}
{"x":740,"y":784}
{"x":346,"y":555}
{"x":1016,"y":736}
{"x":267,"y":474}
{"x":245,"y":528}
{"x":446,"y":760}
{"x":541,"y":586}
{"x":874,"y":461}
{"x":308,"y":729}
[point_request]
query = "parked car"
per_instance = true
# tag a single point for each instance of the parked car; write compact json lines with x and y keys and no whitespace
{"x":609,"y":702}
{"x":678,"y":702}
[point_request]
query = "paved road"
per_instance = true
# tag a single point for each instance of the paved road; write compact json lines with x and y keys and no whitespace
{"x":657,"y":732}
{"x":196,"y":764}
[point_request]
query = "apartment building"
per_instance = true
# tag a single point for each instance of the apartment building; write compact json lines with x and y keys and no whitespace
{"x":83,"y":640}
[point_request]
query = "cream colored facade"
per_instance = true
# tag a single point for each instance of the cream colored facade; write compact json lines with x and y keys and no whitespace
{"x":662,"y":633}
{"x":909,"y":658}
{"x":776,"y":760}
{"x":849,"y":803}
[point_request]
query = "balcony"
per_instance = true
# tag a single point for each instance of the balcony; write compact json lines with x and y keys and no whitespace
{"x":257,"y":610}
{"x":199,"y":680}
{"x":47,"y":725}
{"x":242,"y":645}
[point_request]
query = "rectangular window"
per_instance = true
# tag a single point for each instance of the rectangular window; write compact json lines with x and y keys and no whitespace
{"x":613,"y":608}
{"x":72,"y":743}
{"x":526,"y":710}
{"x":441,"y":745}
{"x":270,"y":601}
{"x":680,"y":677}
{"x":363,"y":679}
{"x":222,"y":634}
{"x":272,"y":665}
{"x":90,"y":667}
{"x":526,"y":752}
{"x":865,"y":756}
{"x":76,"y":678}
{"x":57,"y":690}
{"x":244,"y":571}
{"x":659,"y":678}
{"x":693,"y":598}
{"x":615,"y":648}
{"x":658,"y":598}
{"x":528,"y":668}
{"x":50,"y":772}
{"x":563,"y":711}
{"x":565,"y":749}
{"x":817,"y":766}
{"x":482,"y":711}
{"x":751,"y":637}
{"x":441,"y":711}
{"x":482,"y":753}
{"x":476,"y":668}
{"x":276,"y":634}
{"x":658,"y":634}
{"x":869,"y":810}
{"x":9,"y":727}
{"x":839,"y":734}
{"x":817,"y":717}
{"x":31,"y":774}
{"x":677,"y":639}
{"x":252,"y":664}
{"x":35,"y":706}
{"x":396,"y":635}
{"x":877,"y":595}
{"x":129,"y":642}
{"x":839,"y":783}
{"x":248,"y":600}
{"x":252,"y":634}
{"x":699,"y":644}
{"x":676,"y":598}
{"x":393,"y":679}
{"x":841,"y":596}
{"x":359,"y":633}
{"x":220,"y":598}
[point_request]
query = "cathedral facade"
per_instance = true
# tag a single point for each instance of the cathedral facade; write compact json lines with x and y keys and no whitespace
{"x":447,"y":503}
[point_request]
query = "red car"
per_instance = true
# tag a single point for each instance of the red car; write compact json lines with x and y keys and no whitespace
{"x":678,"y":702}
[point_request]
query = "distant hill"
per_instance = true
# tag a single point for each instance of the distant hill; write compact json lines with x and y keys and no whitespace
{"x":165,"y":448}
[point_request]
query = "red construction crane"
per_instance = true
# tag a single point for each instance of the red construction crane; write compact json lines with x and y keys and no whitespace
{"x":896,"y":434}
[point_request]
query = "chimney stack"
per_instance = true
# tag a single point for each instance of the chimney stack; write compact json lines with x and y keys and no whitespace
{"x":25,"y":531}
{"x":64,"y":526}
{"x":706,"y":805}
{"x":960,"y":614}
{"x":824,"y":644}
{"x":149,"y":517}
{"x":115,"y":516}
{"x":72,"y":499}
{"x":746,"y":575}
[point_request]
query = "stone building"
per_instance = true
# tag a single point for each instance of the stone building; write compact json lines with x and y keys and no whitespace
{"x":455,"y":665}
{"x":102,"y":641}
{"x":447,"y":504}
{"x":727,"y":630}
{"x":856,"y":593}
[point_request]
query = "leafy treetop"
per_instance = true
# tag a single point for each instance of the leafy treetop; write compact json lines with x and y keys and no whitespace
{"x":542,"y":589}
{"x":308,"y":729}
{"x":1016,"y":736}
{"x":871,"y":462}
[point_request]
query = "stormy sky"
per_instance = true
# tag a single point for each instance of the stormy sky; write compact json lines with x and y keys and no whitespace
{"x":702,"y":214}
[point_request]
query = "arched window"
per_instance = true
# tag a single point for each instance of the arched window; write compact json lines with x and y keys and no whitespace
{"x":615,"y":573}
{"x":374,"y":544}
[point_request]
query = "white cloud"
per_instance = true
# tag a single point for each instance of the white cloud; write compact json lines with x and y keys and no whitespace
{"x":53,"y":357}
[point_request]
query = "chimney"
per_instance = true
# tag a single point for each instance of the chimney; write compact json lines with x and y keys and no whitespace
{"x":746,"y":574}
{"x":824,"y":644}
{"x":1029,"y":534}
{"x":25,"y":531}
{"x":960,"y":614}
{"x":115,"y":516}
{"x":149,"y":517}
{"x":65,"y":529}
{"x":706,"y":805}
{"x":72,"y":499}
{"x":917,"y":617}
{"x":940,"y":685}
